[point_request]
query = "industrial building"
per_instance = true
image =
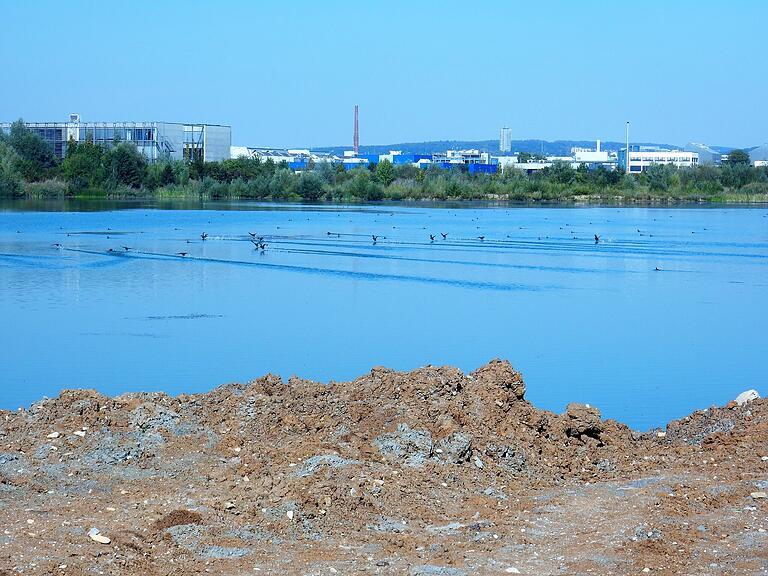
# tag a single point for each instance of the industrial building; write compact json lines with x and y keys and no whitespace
{"x":156,"y":140}
{"x":641,"y":157}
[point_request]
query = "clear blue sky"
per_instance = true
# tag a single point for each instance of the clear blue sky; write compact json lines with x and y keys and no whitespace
{"x":289,"y":73}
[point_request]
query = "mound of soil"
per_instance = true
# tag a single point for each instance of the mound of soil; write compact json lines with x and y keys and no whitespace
{"x":426,"y":472}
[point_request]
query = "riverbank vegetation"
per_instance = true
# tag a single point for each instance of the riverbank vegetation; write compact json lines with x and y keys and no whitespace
{"x":29,"y":169}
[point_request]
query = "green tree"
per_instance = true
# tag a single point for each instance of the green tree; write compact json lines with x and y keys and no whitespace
{"x":385,"y":172}
{"x":36,"y":160}
{"x":738,"y":156}
{"x":167,"y":176}
{"x":10,"y":179}
{"x":524,"y":157}
{"x":310,"y":186}
{"x":126,"y":165}
{"x":83,"y":166}
{"x":561,"y":172}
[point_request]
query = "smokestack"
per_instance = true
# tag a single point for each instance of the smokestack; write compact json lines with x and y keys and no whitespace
{"x":598,"y":145}
{"x":356,"y":141}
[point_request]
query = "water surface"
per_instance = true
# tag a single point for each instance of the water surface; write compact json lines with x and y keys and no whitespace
{"x":117,"y":308}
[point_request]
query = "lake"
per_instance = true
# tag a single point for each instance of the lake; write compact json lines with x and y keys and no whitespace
{"x":583,"y":321}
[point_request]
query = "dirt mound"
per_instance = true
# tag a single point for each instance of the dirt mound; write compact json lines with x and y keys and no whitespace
{"x":431,"y":471}
{"x":177,"y":518}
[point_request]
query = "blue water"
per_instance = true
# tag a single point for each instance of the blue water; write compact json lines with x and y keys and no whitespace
{"x":583,"y":321}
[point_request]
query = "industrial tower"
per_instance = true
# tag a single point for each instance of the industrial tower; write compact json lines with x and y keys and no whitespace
{"x":356,"y":140}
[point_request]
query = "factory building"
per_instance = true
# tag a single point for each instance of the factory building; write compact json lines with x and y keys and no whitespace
{"x":156,"y":140}
{"x":641,"y":157}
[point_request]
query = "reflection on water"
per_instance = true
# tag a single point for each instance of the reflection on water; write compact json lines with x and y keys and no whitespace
{"x":123,"y":296}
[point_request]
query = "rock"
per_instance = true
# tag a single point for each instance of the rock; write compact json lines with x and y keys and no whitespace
{"x":95,"y":535}
{"x":512,"y":459}
{"x":499,"y":373}
{"x":747,"y":396}
{"x":582,"y":420}
{"x":434,"y":570}
{"x":289,"y":513}
{"x":229,"y":505}
{"x":758,"y":495}
{"x":152,"y":417}
{"x":53,"y":435}
{"x":223,"y":552}
{"x":80,"y":433}
{"x":764,"y":458}
{"x":478,"y":462}
{"x":413,"y":447}
{"x":643,"y":533}
{"x":313,"y":463}
{"x":512,"y":570}
{"x":455,"y":448}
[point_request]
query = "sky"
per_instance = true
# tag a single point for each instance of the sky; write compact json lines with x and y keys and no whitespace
{"x":288,"y":74}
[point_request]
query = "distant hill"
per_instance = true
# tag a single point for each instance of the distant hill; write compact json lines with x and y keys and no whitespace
{"x":555,"y":148}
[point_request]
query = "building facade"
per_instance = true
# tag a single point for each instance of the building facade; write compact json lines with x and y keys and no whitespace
{"x":156,"y":140}
{"x":505,"y":140}
{"x":640,"y":158}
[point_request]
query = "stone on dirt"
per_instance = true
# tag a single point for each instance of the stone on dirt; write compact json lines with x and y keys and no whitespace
{"x":412,"y":447}
{"x":454,"y":448}
{"x":747,"y":396}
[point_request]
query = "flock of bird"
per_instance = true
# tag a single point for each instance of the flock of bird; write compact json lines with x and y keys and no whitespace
{"x":261,"y":245}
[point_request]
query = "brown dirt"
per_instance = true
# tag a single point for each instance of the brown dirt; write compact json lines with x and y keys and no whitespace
{"x":429,"y":472}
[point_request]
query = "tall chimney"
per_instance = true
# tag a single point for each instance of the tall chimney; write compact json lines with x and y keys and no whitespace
{"x":598,"y":145}
{"x":356,"y":141}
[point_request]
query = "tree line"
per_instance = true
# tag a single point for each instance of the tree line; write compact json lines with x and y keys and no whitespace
{"x":29,"y":168}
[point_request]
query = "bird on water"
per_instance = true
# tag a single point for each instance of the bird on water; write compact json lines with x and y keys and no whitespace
{"x":597,"y":239}
{"x":431,"y":237}
{"x":444,"y":235}
{"x":375,"y":238}
{"x":204,"y":235}
{"x":182,"y":254}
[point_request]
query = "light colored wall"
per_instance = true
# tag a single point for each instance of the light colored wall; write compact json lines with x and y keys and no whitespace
{"x":217,"y":143}
{"x":174,"y":135}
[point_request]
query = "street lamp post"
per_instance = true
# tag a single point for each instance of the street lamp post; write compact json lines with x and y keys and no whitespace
{"x":627,"y":162}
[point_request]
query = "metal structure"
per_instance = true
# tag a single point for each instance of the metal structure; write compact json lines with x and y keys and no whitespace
{"x":356,"y":137}
{"x":156,"y":140}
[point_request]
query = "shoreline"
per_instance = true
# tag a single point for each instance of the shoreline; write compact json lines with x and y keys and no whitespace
{"x":590,"y":202}
{"x":431,"y":471}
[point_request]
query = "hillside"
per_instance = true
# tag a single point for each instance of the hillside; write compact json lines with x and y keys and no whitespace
{"x":555,"y":148}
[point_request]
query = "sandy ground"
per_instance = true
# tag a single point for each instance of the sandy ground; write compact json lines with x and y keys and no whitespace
{"x":431,"y":472}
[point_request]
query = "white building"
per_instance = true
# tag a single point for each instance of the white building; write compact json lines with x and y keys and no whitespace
{"x":641,"y":158}
{"x":461,"y":157}
{"x":156,"y":140}
{"x":505,"y":140}
{"x":589,"y":156}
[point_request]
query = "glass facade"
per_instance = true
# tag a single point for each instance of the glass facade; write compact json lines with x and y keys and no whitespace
{"x":194,"y":142}
{"x":153,"y":139}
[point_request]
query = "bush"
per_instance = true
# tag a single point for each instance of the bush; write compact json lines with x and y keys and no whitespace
{"x":46,"y":189}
